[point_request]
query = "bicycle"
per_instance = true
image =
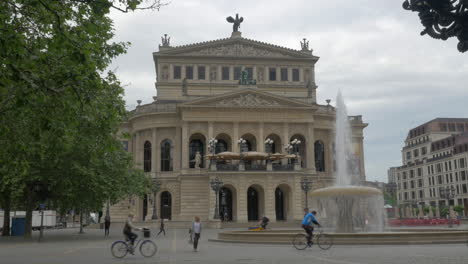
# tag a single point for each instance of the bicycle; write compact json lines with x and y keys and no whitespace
{"x":148,"y":248}
{"x":323,"y":240}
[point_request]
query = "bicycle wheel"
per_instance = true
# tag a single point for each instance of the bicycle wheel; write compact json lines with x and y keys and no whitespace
{"x":119,"y":249}
{"x":300,"y":241}
{"x":148,"y":248}
{"x":325,"y":241}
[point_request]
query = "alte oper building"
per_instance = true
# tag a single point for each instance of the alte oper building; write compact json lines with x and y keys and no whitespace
{"x":239,"y":110}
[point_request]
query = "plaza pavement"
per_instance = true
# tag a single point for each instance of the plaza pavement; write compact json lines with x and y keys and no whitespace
{"x":67,"y":246}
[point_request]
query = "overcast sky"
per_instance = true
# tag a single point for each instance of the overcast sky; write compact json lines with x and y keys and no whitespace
{"x":371,"y":50}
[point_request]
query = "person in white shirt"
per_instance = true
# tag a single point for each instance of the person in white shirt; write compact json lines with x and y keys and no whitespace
{"x":196,"y":231}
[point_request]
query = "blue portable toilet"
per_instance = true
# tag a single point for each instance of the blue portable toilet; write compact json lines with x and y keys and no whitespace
{"x":18,"y":226}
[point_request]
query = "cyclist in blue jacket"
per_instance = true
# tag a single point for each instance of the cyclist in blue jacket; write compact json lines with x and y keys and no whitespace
{"x":307,"y":224}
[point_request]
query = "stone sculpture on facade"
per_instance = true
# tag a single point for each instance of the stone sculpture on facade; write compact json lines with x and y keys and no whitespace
{"x":236,"y":22}
{"x":198,"y":158}
{"x":166,"y":41}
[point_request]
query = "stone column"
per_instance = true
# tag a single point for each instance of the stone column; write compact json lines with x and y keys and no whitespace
{"x":261,"y":141}
{"x":310,"y":149}
{"x":138,"y":150}
{"x":154,"y":151}
{"x":290,"y":77}
{"x":278,"y":74}
{"x":242,"y":200}
{"x":182,"y":72}
{"x":195,"y":72}
{"x":254,"y":73}
{"x":219,"y":73}
{"x":210,"y":136}
{"x":269,"y":192}
{"x":171,"y":71}
{"x":185,"y":146}
{"x":235,"y":134}
{"x":285,"y":141}
{"x":178,"y":149}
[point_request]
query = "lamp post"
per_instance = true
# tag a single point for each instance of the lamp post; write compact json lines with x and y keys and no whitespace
{"x":155,"y":188}
{"x":295,"y":143}
{"x":269,"y":142}
{"x":212,"y":147}
{"x":448,"y":193}
{"x":241,"y":143}
{"x":216,"y":185}
{"x":306,"y":185}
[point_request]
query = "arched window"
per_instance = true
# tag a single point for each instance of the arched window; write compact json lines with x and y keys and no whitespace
{"x":166,"y":155}
{"x":319,"y":155}
{"x":196,"y":145}
{"x":147,"y":157}
{"x":221,"y":146}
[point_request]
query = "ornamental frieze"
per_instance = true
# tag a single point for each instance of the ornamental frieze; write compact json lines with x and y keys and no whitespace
{"x":236,"y":50}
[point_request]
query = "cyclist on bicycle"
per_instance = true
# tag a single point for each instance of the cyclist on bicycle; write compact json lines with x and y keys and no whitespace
{"x":309,"y":219}
{"x":127,"y":231}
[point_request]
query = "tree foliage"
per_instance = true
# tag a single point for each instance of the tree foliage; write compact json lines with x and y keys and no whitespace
{"x":59,"y":109}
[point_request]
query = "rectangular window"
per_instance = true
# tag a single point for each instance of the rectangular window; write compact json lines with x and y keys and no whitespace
{"x":408,"y":155}
{"x":450,"y":165}
{"x":249,"y":71}
{"x":225,"y":73}
{"x":463,"y":175}
{"x":177,"y":72}
{"x":295,"y":75}
{"x":406,"y":196}
{"x":411,"y":173}
{"x":421,"y":194}
{"x":446,"y":167}
{"x":446,"y":178}
{"x":404,"y":175}
{"x":423,"y":151}
{"x":439,"y":179}
{"x":458,"y":189}
{"x":412,"y":184}
{"x":416,"y":152}
{"x":420,"y":183}
{"x":201,"y":72}
{"x":405,"y":186}
{"x":189,"y":72}
{"x":237,"y":73}
{"x":413,"y":195}
{"x":456,"y":176}
{"x":420,"y":171}
{"x":439,"y":168}
{"x":462,"y":163}
{"x":464,"y":188}
{"x":451,"y":177}
{"x":284,"y":74}
{"x":272,"y":73}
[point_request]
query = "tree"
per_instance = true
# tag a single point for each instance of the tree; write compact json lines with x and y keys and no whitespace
{"x":53,"y":90}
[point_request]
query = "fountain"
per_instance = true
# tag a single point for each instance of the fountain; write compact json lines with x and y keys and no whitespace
{"x":347,"y":205}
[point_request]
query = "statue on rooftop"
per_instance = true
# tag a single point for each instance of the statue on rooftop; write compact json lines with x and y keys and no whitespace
{"x":237,"y":21}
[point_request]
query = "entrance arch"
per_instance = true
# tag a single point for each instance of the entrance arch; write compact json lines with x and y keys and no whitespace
{"x":166,"y":205}
{"x":283,"y":201}
{"x":255,"y":203}
{"x":227,"y":203}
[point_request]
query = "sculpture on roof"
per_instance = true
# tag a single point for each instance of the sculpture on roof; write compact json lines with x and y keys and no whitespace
{"x":305,"y":45}
{"x":166,"y":41}
{"x":236,"y":22}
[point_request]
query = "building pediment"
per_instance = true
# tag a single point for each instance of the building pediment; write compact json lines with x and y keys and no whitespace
{"x":247,"y":98}
{"x":236,"y":47}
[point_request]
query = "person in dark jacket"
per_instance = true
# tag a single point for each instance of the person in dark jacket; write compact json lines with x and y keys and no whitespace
{"x":107,"y":222}
{"x":161,"y":228}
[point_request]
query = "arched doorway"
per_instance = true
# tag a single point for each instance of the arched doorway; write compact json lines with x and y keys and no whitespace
{"x":319,"y":149}
{"x":252,"y":204}
{"x":225,"y":204}
{"x":166,"y":205}
{"x":280,"y":205}
{"x":224,"y":143}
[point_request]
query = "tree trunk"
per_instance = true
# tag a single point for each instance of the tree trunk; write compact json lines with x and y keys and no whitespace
{"x":6,"y":216}
{"x":81,"y":222}
{"x":29,"y":212}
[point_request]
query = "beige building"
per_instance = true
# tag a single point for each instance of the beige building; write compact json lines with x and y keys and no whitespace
{"x":435,"y":158}
{"x":226,"y":90}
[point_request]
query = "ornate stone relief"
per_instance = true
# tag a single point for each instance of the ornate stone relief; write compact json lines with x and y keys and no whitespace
{"x":237,"y":50}
{"x":247,"y":100}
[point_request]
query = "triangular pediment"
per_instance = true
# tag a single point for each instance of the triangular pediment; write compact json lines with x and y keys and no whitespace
{"x":247,"y":98}
{"x":236,"y":47}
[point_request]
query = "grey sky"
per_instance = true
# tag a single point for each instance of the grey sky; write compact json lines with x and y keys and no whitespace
{"x":369,"y":49}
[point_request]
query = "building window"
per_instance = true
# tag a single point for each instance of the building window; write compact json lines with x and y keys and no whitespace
{"x":295,"y":75}
{"x":284,"y":74}
{"x":319,"y":149}
{"x":463,"y":175}
{"x":166,"y":155}
{"x":411,"y":172}
{"x":147,"y":156}
{"x":408,"y":155}
{"x":272,"y":74}
{"x":177,"y":72}
{"x":439,"y":179}
{"x":412,"y":184}
{"x":421,"y":194}
{"x":404,"y":175}
{"x":225,"y":73}
{"x":125,"y":145}
{"x":464,"y":188}
{"x":201,"y":72}
{"x":420,"y":172}
{"x":405,"y":185}
{"x":237,"y":73}
{"x":416,"y":152}
{"x":249,"y":71}
{"x":423,"y":151}
{"x":196,"y":145}
{"x":189,"y":72}
{"x":462,"y":163}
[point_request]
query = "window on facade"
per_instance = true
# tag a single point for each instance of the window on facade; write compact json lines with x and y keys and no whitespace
{"x":125,"y":145}
{"x":446,"y":178}
{"x":464,"y":188}
{"x":225,"y":73}
{"x":423,"y":151}
{"x":189,"y":72}
{"x":201,"y":72}
{"x":147,"y":156}
{"x":443,"y":127}
{"x":177,"y":72}
{"x":420,"y":172}
{"x":319,"y":149}
{"x":439,"y":168}
{"x":462,"y":163}
{"x":451,"y":177}
{"x":405,"y":185}
{"x":421,"y":194}
{"x":408,"y":155}
{"x":221,"y":146}
{"x":451,"y":127}
{"x":413,"y":195}
{"x":420,"y":183}
{"x":196,"y":145}
{"x":166,"y":155}
{"x":237,"y":73}
{"x":416,"y":152}
{"x":450,"y":165}
{"x":458,"y":190}
{"x":446,"y":167}
{"x":411,"y":172}
{"x":406,"y":196}
{"x":284,"y":74}
{"x":404,"y":175}
{"x":249,"y":71}
{"x":412,"y":184}
{"x":439,"y":179}
{"x":272,"y":74}
{"x":295,"y":75}
{"x":463,"y":175}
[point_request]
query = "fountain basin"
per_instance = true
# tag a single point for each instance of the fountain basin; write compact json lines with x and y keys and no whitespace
{"x":346,"y":190}
{"x":410,"y":237}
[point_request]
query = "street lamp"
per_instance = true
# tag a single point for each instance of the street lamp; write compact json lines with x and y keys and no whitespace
{"x":155,"y":188}
{"x":448,"y":193}
{"x":216,"y":185}
{"x":241,"y":143}
{"x":295,"y":143}
{"x":269,"y":142}
{"x":306,"y":185}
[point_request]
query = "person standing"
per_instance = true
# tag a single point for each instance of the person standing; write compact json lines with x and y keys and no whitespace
{"x":161,"y":228}
{"x":106,"y":225}
{"x":196,"y":231}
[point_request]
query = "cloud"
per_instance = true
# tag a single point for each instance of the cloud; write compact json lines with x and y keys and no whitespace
{"x":370,"y":50}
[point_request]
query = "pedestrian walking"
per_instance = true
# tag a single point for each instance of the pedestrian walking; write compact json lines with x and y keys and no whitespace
{"x":106,"y":225}
{"x":196,"y":231}
{"x":161,"y":228}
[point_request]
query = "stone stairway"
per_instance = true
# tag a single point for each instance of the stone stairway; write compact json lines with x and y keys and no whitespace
{"x":194,"y":198}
